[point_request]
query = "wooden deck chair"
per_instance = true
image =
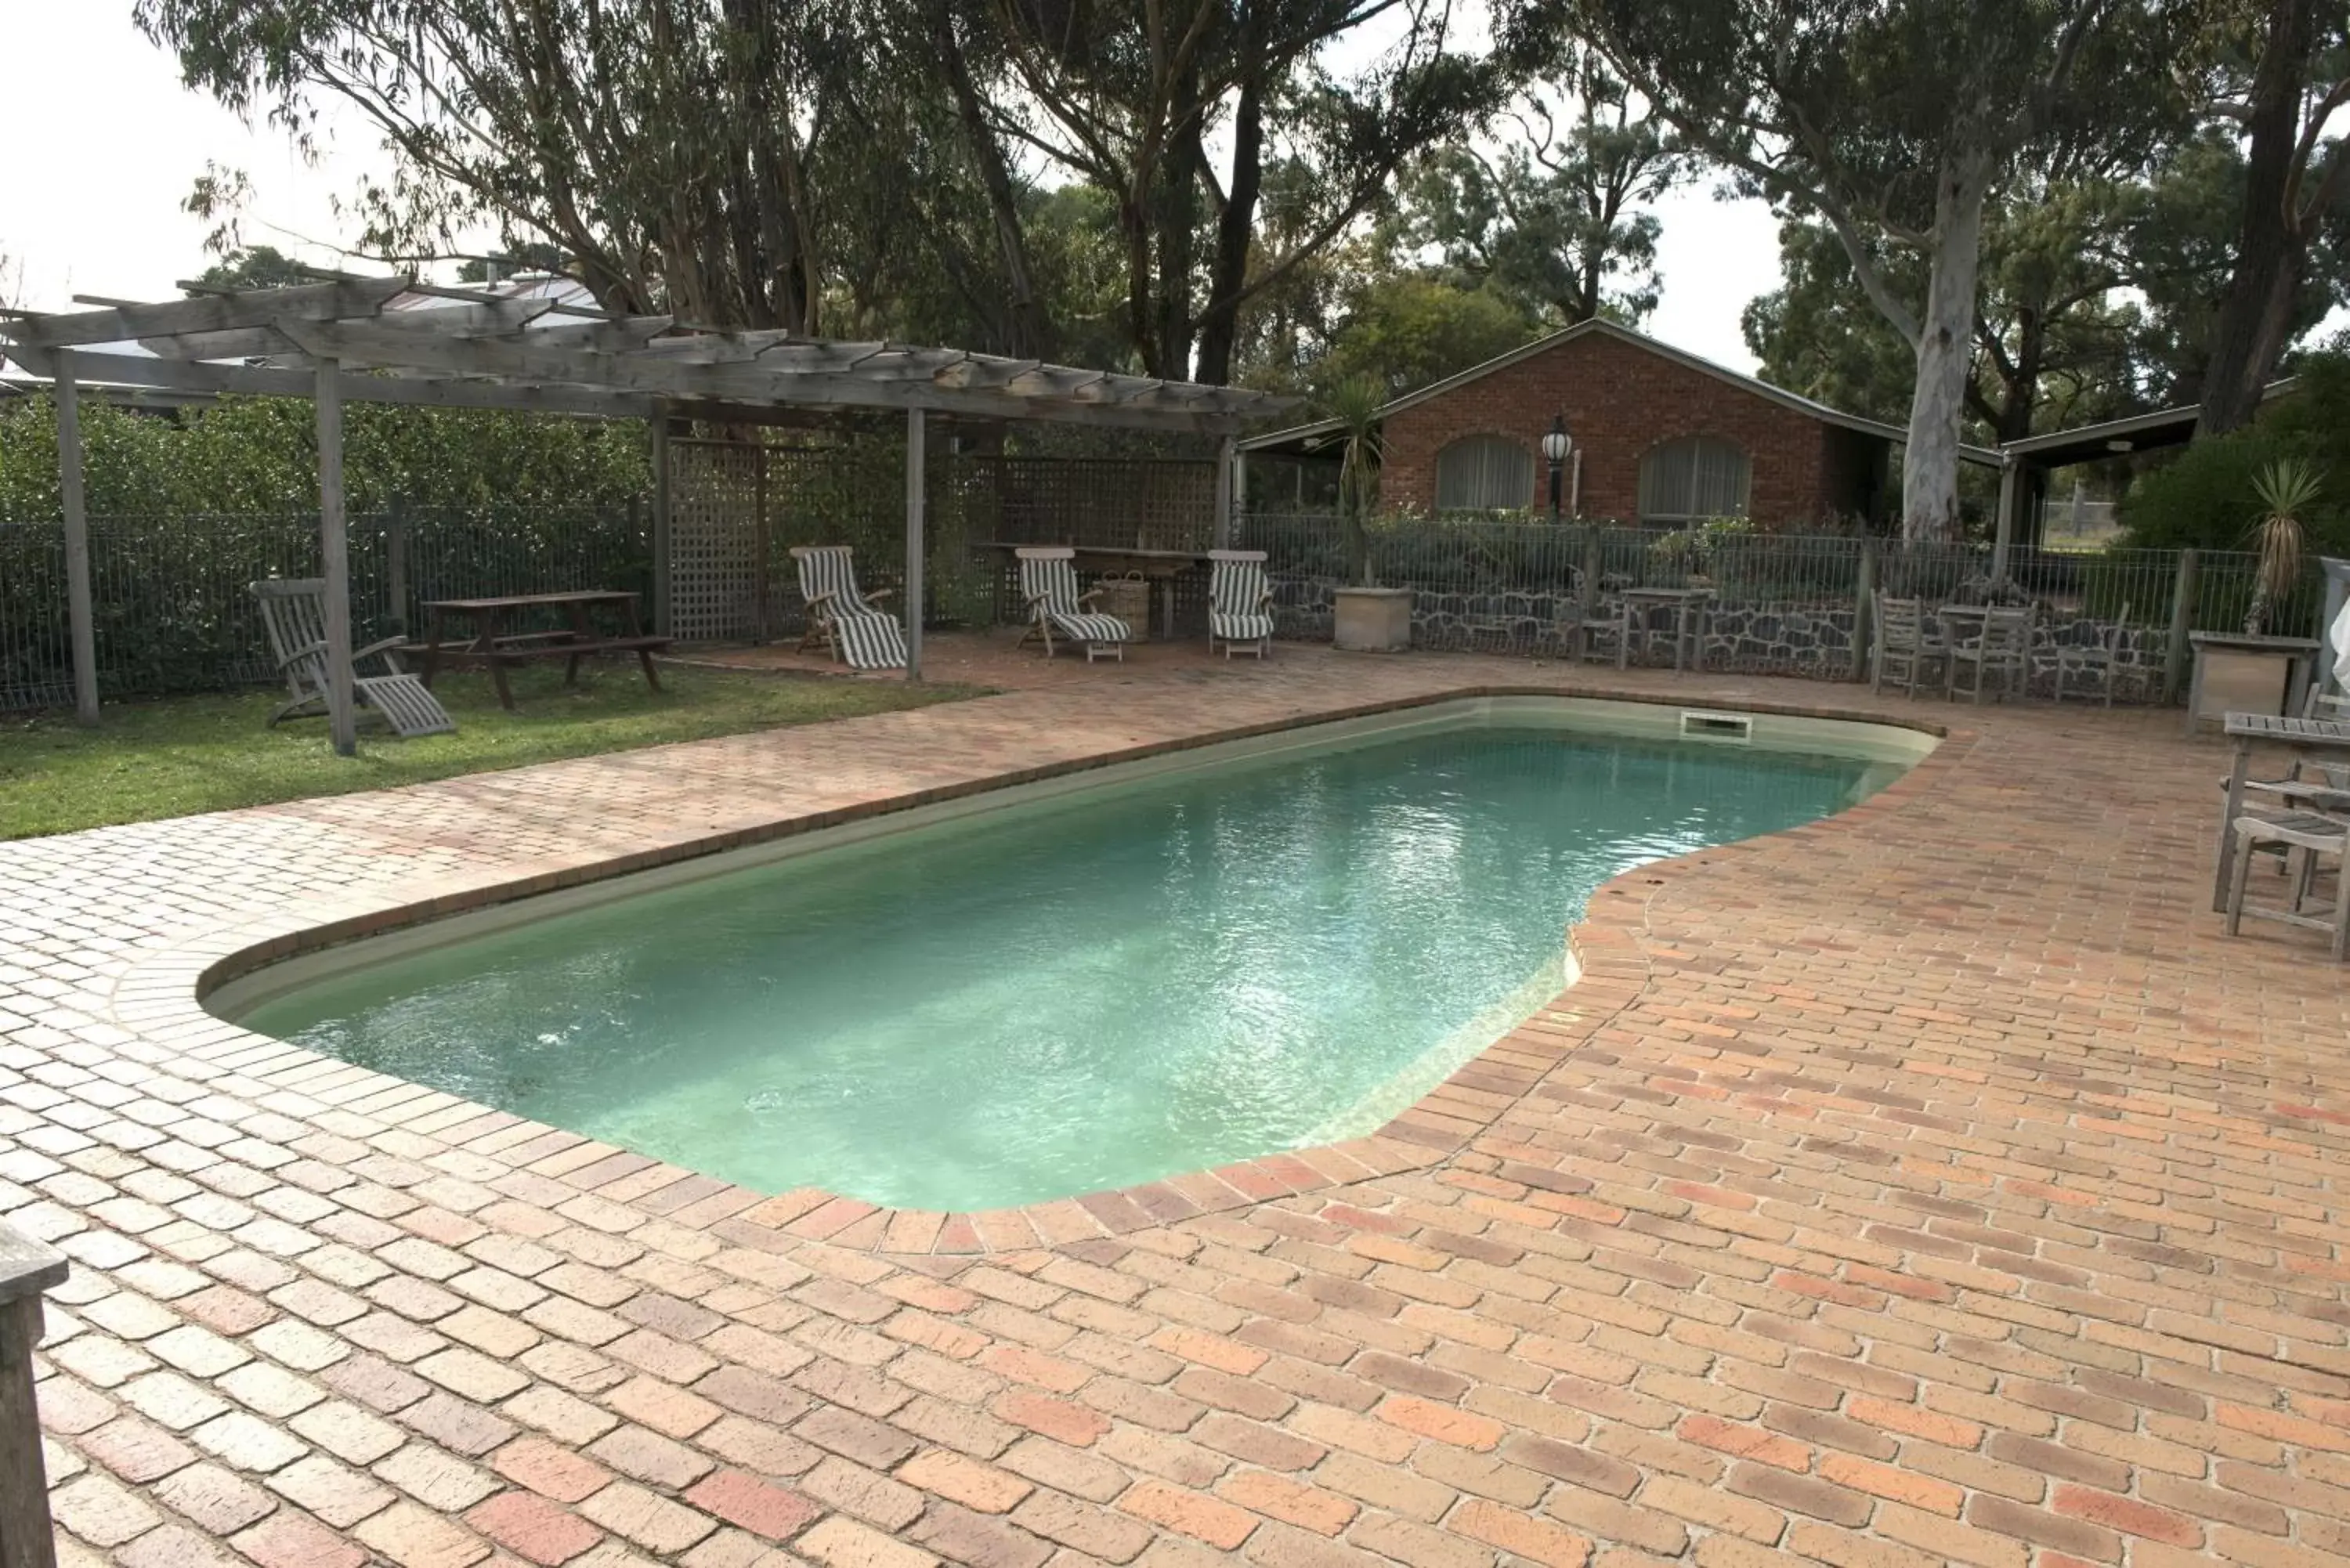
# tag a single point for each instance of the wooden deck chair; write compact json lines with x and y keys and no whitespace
{"x":1048,"y":581}
{"x":2004,"y":648}
{"x":1240,"y":603}
{"x":294,"y":612}
{"x":1905,"y":644}
{"x":844,"y":619}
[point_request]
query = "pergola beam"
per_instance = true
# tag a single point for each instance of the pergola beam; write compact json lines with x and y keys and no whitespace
{"x":486,"y":351}
{"x":292,"y":379}
{"x":214,"y":313}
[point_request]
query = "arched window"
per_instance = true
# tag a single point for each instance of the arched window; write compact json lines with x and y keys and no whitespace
{"x":1694,"y":477}
{"x":1485,"y":474}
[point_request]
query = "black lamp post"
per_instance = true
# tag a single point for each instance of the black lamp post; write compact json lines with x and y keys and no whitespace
{"x":1556,"y":446}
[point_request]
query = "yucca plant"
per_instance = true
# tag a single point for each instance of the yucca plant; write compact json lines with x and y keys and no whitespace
{"x":1355,"y":404}
{"x":2286,"y":488}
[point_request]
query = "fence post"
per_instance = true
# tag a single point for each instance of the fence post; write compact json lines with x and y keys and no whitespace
{"x":1864,"y":609}
{"x":2182,"y":621}
{"x":395,"y":563}
{"x":1586,"y":593}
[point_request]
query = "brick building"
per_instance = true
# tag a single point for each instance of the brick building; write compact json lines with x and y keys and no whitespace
{"x":1660,"y":437}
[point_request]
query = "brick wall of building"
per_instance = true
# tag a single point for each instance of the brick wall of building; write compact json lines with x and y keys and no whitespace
{"x":1620,"y":399}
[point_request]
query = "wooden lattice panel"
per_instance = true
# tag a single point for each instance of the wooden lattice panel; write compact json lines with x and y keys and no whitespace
{"x":714,"y":540}
{"x":1149,"y":504}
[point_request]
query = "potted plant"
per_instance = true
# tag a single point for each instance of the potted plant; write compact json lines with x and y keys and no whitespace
{"x":2286,"y":488}
{"x":2255,"y":672}
{"x":1365,"y":619}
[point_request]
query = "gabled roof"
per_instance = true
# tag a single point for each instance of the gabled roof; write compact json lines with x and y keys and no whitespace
{"x":1599,"y":328}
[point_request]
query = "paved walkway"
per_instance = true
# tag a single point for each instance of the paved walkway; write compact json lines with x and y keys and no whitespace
{"x":1932,"y":1184}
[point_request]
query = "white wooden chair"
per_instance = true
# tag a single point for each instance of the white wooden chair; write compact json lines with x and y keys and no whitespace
{"x":1048,"y":581}
{"x":1240,"y":603}
{"x":844,"y":619}
{"x":1905,"y":643}
{"x":2101,"y":659}
{"x":294,"y":612}
{"x":2004,"y":648}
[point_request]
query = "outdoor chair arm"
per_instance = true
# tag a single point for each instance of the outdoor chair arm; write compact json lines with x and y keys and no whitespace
{"x":1090,"y":597}
{"x":296,"y":655}
{"x":386,"y":647}
{"x":873,"y":594}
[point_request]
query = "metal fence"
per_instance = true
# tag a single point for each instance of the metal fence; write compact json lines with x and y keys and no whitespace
{"x":172,"y":612}
{"x":1507,"y":577}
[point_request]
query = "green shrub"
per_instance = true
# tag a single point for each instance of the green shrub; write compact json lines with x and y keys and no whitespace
{"x":2202,"y":498}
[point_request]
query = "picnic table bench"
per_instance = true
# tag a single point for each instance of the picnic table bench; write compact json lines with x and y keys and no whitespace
{"x":490,"y":647}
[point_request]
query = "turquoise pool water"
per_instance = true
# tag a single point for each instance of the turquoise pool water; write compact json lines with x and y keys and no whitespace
{"x":1080,"y":994}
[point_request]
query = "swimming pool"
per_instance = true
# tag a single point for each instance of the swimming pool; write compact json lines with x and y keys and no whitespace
{"x":1121,"y":982}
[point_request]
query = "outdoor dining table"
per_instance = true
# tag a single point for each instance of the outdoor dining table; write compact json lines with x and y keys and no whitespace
{"x":2327,"y":738}
{"x":489,"y":645}
{"x":1688,"y":606}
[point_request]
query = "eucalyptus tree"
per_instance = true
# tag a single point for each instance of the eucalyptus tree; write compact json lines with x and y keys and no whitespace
{"x":1127,"y":98}
{"x":1551,"y":211}
{"x":679,"y":153}
{"x":1892,"y":121}
{"x":2276,"y":72}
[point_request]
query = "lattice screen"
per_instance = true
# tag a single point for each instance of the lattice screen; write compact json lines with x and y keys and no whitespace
{"x":714,"y":540}
{"x":738,"y":507}
{"x":1149,"y":503}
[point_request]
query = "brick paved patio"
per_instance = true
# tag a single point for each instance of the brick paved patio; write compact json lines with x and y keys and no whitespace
{"x":1932,"y":1184}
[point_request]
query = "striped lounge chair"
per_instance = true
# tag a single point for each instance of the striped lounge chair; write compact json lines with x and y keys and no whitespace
{"x":1240,"y":603}
{"x":842,"y":619}
{"x":1048,"y":581}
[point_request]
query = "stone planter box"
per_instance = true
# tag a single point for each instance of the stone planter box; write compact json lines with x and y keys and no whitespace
{"x":1371,"y":620}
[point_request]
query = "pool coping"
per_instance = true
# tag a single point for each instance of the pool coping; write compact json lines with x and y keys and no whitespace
{"x":163,"y":996}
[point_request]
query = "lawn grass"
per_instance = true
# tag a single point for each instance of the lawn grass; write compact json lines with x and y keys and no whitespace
{"x":209,"y":752}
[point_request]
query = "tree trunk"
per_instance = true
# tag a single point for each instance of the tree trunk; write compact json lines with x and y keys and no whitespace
{"x":1929,"y":460}
{"x":1176,"y":211}
{"x":2245,"y":342}
{"x":1235,"y":232}
{"x":1031,"y":327}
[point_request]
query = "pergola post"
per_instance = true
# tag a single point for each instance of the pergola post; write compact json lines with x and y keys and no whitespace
{"x":662,"y":581}
{"x":915,"y":468}
{"x":81,"y":620}
{"x":1227,"y":462}
{"x":334,"y":549}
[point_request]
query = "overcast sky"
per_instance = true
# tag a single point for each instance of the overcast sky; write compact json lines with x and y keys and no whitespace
{"x":105,"y":144}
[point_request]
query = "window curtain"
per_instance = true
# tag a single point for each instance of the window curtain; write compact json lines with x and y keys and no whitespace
{"x":1696,"y":476}
{"x":1485,"y":474}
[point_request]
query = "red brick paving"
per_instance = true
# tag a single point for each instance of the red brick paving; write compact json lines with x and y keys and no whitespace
{"x":1931,"y":1184}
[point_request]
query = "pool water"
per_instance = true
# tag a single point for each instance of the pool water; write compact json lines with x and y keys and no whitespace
{"x":1050,"y":1000}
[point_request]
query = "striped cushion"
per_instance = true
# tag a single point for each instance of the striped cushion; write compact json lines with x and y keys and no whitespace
{"x":1083,"y":628}
{"x":870,"y":641}
{"x":1240,"y":626}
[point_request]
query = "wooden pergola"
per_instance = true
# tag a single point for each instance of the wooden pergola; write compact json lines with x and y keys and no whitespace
{"x":395,"y":340}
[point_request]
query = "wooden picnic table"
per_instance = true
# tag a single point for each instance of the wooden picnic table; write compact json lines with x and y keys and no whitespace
{"x":489,"y":645}
{"x":2303,"y":737}
{"x":1161,"y":566}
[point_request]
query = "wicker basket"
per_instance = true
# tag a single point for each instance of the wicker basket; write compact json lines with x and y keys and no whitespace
{"x":1127,"y":596}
